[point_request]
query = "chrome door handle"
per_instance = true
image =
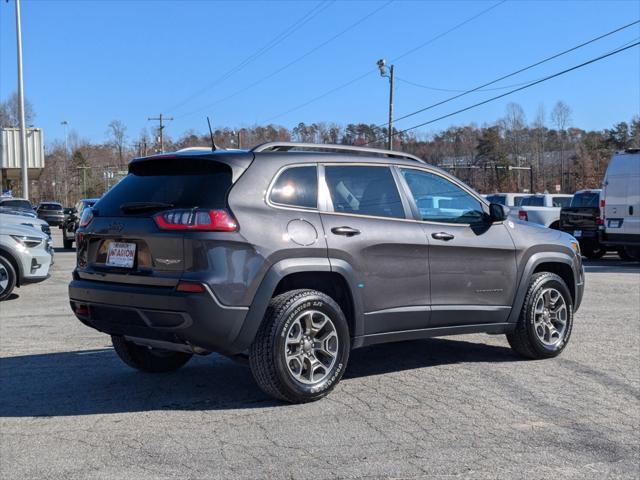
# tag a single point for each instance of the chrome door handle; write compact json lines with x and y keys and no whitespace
{"x":346,"y":231}
{"x":442,"y":236}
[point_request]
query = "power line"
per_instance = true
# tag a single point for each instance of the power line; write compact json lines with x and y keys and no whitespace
{"x":549,"y":77}
{"x":287,"y":32}
{"x":368,"y":72}
{"x":293,"y":62}
{"x":437,"y":89}
{"x":528,"y":67}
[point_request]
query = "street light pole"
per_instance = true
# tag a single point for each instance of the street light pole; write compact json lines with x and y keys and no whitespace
{"x":66,"y":161}
{"x":390,"y":75}
{"x":23,"y":132}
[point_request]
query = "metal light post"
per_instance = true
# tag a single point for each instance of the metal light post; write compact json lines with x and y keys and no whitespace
{"x":383,"y":73}
{"x":66,"y":161}
{"x":23,"y":133}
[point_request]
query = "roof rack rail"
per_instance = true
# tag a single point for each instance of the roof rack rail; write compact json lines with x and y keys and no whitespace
{"x":287,"y":146}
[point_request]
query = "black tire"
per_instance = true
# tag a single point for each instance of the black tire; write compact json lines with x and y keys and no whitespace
{"x":66,"y":242}
{"x":594,"y":252}
{"x":524,"y":340}
{"x":632,"y":254}
{"x":623,"y":254}
{"x":267,"y":353}
{"x":147,"y":359}
{"x":8,"y":278}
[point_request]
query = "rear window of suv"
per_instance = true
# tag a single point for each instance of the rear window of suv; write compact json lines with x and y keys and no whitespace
{"x":585,"y":199}
{"x":532,"y":202}
{"x":183,"y":183}
{"x":50,"y":206}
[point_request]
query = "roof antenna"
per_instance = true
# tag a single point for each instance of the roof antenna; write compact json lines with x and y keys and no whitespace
{"x":213,"y":144}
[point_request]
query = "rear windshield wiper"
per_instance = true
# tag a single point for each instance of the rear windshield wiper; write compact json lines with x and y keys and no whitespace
{"x":141,"y":206}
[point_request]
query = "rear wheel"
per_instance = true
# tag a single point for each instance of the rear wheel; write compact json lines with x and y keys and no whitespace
{"x":630,"y":254}
{"x":544,"y":327}
{"x":7,"y":278}
{"x":302,"y":347}
{"x":148,"y":359}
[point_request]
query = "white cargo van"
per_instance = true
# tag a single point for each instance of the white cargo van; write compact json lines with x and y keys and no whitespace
{"x":620,"y":203}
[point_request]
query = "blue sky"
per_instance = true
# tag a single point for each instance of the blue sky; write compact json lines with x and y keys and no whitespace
{"x":90,"y":62}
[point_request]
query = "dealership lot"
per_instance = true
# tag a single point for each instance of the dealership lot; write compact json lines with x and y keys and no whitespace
{"x":452,"y":407}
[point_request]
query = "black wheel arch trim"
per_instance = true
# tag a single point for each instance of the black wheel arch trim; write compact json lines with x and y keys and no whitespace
{"x":272,"y":278}
{"x":528,"y":270}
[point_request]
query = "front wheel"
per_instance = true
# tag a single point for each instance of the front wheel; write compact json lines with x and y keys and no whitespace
{"x":546,"y":319}
{"x":302,"y":347}
{"x":147,"y":359}
{"x":7,"y":278}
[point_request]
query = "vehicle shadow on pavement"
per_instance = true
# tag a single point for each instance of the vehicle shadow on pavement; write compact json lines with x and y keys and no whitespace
{"x":91,"y":382}
{"x":611,"y":266}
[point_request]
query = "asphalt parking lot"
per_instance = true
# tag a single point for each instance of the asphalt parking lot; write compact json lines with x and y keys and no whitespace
{"x":452,"y":407}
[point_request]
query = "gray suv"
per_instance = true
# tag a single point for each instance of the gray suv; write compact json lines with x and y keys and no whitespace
{"x":294,"y":254}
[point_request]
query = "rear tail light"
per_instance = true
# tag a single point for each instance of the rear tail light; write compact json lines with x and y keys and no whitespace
{"x":602,"y":203}
{"x":195,"y":219}
{"x":87,"y":216}
{"x":522,"y":215}
{"x":190,"y":287}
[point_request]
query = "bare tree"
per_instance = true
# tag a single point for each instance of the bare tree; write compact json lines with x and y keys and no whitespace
{"x":561,"y":118}
{"x":515,"y":125}
{"x":117,"y":137}
{"x":9,"y":116}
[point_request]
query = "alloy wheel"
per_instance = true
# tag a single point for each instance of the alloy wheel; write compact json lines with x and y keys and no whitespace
{"x":550,"y":317}
{"x":311,"y":347}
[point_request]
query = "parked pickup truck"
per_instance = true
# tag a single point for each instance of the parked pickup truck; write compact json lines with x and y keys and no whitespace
{"x":583,"y":219}
{"x":544,"y":208}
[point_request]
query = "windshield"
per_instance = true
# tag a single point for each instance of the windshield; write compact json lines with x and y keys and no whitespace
{"x":585,"y":199}
{"x":21,"y":204}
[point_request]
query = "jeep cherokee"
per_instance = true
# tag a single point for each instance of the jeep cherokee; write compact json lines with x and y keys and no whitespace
{"x":294,"y":254}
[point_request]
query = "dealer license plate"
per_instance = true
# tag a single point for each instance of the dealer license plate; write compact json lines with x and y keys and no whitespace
{"x":121,"y":254}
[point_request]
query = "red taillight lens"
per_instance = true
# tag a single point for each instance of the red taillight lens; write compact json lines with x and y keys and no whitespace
{"x":87,"y":216}
{"x":602,"y":203}
{"x":599,"y":221}
{"x":194,"y":219}
{"x":190,"y":287}
{"x":522,"y":215}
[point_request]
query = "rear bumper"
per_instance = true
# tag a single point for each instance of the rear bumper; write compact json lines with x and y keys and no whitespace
{"x":620,"y":239}
{"x":159,"y":313}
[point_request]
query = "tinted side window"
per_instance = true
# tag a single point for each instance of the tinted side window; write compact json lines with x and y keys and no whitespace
{"x":517,"y":201}
{"x":533,"y":202}
{"x":297,"y":187}
{"x":439,"y":200}
{"x":364,"y":190}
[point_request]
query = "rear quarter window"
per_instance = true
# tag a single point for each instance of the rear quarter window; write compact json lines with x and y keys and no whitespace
{"x":296,"y":187}
{"x":183,"y":183}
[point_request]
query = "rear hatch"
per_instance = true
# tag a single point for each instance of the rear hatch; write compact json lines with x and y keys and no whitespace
{"x":138,"y":231}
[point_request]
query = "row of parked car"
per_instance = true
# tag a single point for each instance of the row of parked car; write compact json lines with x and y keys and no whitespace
{"x":602,"y":220}
{"x":26,"y":246}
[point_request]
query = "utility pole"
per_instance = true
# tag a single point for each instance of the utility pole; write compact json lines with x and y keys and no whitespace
{"x":161,"y":119}
{"x":23,"y":132}
{"x":390,"y":75}
{"x":66,"y":161}
{"x":239,"y":139}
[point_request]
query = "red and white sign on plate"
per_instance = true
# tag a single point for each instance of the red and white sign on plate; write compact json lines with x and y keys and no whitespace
{"x":121,"y":254}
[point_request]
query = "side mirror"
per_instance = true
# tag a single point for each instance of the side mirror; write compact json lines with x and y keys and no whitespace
{"x":497,"y":212}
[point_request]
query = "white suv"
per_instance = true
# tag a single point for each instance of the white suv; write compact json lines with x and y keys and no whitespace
{"x":25,"y":257}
